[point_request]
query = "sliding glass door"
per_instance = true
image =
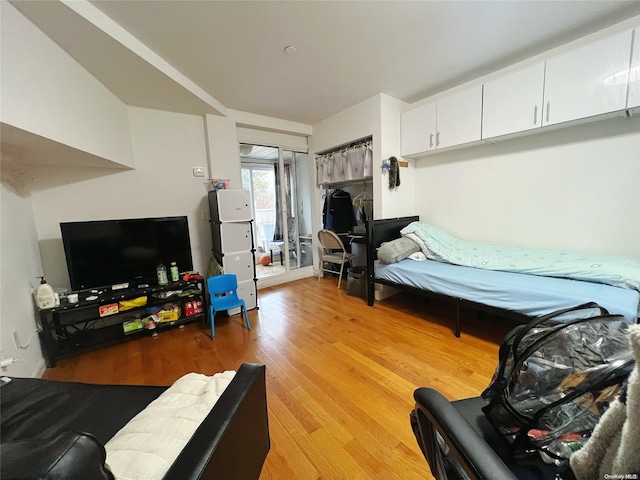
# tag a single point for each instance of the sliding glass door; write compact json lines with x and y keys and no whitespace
{"x":277,"y":180}
{"x":300,"y":234}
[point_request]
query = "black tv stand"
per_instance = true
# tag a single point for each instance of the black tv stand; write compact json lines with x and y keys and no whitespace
{"x":98,"y":318}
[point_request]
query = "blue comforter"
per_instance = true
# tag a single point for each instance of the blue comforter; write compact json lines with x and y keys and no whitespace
{"x":438,"y":245}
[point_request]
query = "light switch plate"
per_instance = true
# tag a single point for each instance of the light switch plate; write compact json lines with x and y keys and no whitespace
{"x":198,"y":171}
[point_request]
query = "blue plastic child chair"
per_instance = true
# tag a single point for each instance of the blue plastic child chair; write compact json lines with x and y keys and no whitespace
{"x":223,"y":295}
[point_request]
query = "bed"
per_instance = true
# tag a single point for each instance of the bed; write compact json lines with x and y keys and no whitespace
{"x":54,"y":429}
{"x":514,"y":295}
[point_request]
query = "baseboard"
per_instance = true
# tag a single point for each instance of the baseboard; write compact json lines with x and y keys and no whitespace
{"x":297,"y":274}
{"x":39,"y":370}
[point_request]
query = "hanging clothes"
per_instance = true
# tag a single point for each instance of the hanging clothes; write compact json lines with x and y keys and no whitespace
{"x":337,"y":213}
{"x":327,"y":217}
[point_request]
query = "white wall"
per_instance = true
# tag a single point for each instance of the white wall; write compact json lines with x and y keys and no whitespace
{"x":573,"y":188}
{"x":224,"y":134}
{"x":398,"y":201}
{"x":223,"y":149}
{"x":52,"y":96}
{"x":167,"y":146}
{"x":361,"y":120}
{"x":20,"y":268}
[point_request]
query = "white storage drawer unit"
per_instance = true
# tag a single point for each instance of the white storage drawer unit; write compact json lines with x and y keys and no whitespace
{"x":239,"y":263}
{"x":232,"y":236}
{"x":230,"y":206}
{"x":247,"y":292}
{"x":232,"y":239}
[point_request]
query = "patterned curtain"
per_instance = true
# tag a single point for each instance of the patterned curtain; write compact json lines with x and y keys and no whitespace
{"x":353,"y":163}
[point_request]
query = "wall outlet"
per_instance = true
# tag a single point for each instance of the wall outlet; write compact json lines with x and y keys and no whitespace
{"x":198,"y":171}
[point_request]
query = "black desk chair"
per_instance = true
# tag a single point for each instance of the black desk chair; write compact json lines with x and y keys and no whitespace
{"x":458,"y":442}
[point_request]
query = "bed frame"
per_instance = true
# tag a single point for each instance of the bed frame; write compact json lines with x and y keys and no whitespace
{"x":385,"y":230}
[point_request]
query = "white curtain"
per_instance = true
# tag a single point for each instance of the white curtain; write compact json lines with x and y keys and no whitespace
{"x":353,"y":163}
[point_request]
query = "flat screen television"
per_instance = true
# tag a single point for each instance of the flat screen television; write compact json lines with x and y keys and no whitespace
{"x":108,"y":252}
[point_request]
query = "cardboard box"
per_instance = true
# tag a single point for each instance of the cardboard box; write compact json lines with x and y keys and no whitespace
{"x":170,"y":312}
{"x":132,"y":325}
{"x":193,"y":307}
{"x":110,"y":309}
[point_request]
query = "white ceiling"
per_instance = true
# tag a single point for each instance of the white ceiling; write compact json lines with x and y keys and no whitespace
{"x":230,"y":54}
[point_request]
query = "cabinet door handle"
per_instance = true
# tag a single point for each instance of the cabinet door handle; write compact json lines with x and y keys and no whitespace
{"x":535,"y":115}
{"x":431,"y":140}
{"x":548,"y":108}
{"x":437,"y":138}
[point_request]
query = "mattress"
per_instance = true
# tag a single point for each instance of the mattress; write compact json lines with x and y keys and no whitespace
{"x":531,"y":295}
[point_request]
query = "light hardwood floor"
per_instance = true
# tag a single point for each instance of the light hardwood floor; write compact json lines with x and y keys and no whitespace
{"x":340,"y":374}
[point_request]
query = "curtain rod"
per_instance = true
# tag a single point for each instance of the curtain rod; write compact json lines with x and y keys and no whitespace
{"x":346,"y":145}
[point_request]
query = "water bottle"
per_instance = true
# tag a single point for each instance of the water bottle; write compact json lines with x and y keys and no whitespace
{"x":161,"y":271}
{"x":175,"y":275}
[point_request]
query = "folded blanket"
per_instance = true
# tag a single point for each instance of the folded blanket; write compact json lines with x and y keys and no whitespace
{"x":146,"y":447}
{"x":438,"y":245}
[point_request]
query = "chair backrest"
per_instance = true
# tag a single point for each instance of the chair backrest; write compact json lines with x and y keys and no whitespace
{"x":222,"y":284}
{"x":329,"y":240}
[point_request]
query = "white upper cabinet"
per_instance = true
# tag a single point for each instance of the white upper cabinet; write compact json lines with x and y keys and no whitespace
{"x":634,"y":74}
{"x":418,"y":130}
{"x":581,"y":83}
{"x":450,"y":121}
{"x":513,"y":103}
{"x":459,"y":118}
{"x":587,"y":83}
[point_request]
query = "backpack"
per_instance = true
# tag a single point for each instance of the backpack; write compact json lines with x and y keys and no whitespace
{"x":556,"y":376}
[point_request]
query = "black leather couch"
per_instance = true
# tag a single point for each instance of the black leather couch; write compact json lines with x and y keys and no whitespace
{"x":57,"y":430}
